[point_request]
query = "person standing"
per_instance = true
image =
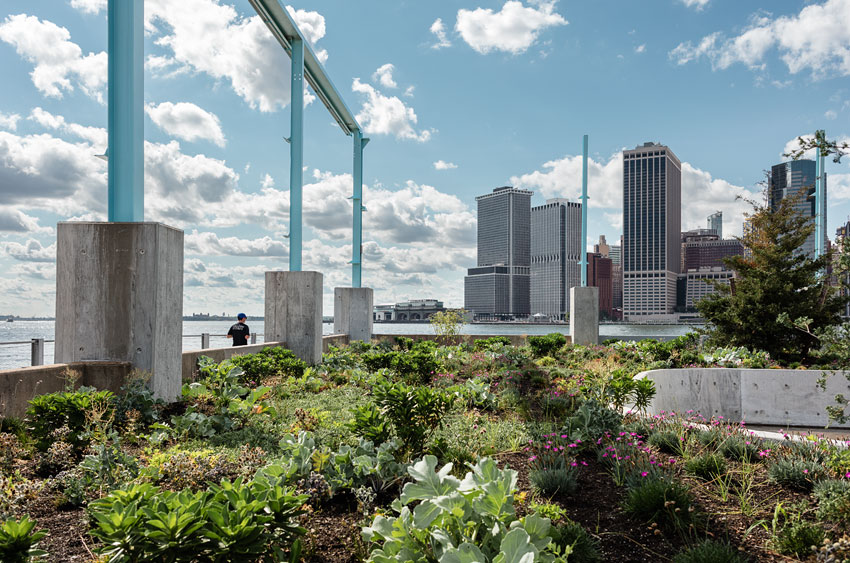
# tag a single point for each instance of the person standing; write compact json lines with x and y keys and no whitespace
{"x":240,"y":331}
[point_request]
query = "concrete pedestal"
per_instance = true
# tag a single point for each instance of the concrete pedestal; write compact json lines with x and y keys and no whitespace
{"x":353,"y":312}
{"x":584,"y":315}
{"x":119,"y":297}
{"x":294,"y":312}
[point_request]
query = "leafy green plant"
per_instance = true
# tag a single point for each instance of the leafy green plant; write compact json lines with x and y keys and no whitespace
{"x":738,"y":448}
{"x":136,"y":403}
{"x":48,"y":412}
{"x":494,"y":342}
{"x":18,"y":541}
{"x":665,"y":502}
{"x":833,"y":496}
{"x":549,"y":510}
{"x":447,"y":325}
{"x":707,"y":466}
{"x":710,"y":551}
{"x":546,"y":345}
{"x":350,"y":468}
{"x":455,"y":521}
{"x":269,"y":362}
{"x":584,"y":548}
{"x":590,"y":422}
{"x":667,"y":441}
{"x":370,"y":424}
{"x":796,"y":474}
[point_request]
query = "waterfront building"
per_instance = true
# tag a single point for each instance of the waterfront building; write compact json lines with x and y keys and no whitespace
{"x":405,"y":311}
{"x":792,"y":178}
{"x":600,"y":275}
{"x":499,"y":286}
{"x":652,"y":188}
{"x":715,"y":223}
{"x":697,"y":286}
{"x":555,"y":256}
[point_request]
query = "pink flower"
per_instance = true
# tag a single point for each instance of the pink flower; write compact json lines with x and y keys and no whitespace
{"x":644,"y":473}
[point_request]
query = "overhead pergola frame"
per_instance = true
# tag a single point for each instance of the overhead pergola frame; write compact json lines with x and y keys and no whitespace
{"x":305,"y":65}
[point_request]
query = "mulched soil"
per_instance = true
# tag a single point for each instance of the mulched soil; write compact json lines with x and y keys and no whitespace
{"x":67,"y":531}
{"x":333,"y":534}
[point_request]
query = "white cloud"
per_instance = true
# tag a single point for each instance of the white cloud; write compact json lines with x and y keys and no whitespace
{"x":30,"y":251}
{"x":640,"y":48}
{"x":794,"y":145}
{"x":439,"y":30}
{"x":513,"y":29}
{"x":384,"y":76}
{"x":37,"y":270}
{"x":698,"y":4}
{"x":187,"y":121}
{"x":817,"y":39}
{"x":443,"y":165}
{"x":214,"y":39}
{"x":96,"y":136}
{"x":89,"y":6}
{"x":209,"y":244}
{"x":409,"y":91}
{"x":9,"y":121}
{"x":831,"y":114}
{"x":15,"y":221}
{"x":701,"y":193}
{"x":387,"y":115}
{"x":59,"y":63}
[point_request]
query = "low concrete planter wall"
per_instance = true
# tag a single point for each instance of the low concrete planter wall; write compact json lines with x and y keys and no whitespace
{"x":758,"y":396}
{"x":18,"y":386}
{"x":516,"y":339}
{"x":190,"y":359}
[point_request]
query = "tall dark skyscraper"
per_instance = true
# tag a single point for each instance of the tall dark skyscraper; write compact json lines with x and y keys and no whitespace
{"x":500,"y":285}
{"x":715,"y":223}
{"x":555,"y":254}
{"x":652,"y":220}
{"x":791,"y":178}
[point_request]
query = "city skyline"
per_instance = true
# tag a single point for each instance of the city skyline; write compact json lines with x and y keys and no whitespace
{"x":454,"y":109}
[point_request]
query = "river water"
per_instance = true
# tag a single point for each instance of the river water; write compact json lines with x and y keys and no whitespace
{"x":18,"y":355}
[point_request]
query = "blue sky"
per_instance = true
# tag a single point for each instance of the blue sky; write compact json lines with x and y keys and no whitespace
{"x":458,"y":98}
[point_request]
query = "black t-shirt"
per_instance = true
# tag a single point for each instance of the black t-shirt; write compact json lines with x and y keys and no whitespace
{"x":240,"y":333}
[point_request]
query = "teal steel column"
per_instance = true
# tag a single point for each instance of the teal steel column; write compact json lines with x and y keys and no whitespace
{"x":584,"y":213}
{"x":819,"y":203}
{"x":357,"y":207}
{"x":126,"y":165}
{"x":296,"y":155}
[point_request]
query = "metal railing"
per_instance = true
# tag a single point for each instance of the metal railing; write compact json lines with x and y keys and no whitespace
{"x":205,"y":338}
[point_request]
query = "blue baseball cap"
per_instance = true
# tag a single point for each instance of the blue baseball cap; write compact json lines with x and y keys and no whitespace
{"x":241,"y":316}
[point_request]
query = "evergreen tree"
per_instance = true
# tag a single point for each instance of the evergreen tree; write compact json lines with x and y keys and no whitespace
{"x":773,"y":277}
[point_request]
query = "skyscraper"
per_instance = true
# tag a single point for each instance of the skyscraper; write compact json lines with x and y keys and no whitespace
{"x":715,"y":223}
{"x":499,"y":285}
{"x":792,"y":178}
{"x":617,"y":277}
{"x":652,"y":201}
{"x":555,"y":254}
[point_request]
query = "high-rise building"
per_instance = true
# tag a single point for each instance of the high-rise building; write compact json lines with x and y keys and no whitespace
{"x":602,"y":247}
{"x":555,"y":254}
{"x":616,"y":256}
{"x":701,"y":254}
{"x":499,"y":287}
{"x":652,"y":201}
{"x":715,"y":223}
{"x":842,"y":239}
{"x":790,"y":179}
{"x":599,"y":274}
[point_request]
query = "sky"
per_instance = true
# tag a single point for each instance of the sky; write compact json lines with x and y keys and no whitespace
{"x":458,"y":97}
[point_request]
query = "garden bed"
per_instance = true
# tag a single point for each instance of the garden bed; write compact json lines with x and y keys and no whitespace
{"x":324,"y":459}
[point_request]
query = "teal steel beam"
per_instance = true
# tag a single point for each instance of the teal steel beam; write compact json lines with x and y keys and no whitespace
{"x":583,"y":262}
{"x":357,"y":205}
{"x":126,"y":136}
{"x":819,"y":202}
{"x":296,"y":155}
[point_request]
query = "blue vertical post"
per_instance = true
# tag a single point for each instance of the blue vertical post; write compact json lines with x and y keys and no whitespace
{"x":126,"y":165}
{"x":357,"y":206}
{"x":820,"y":205}
{"x":583,"y":263}
{"x":296,"y":155}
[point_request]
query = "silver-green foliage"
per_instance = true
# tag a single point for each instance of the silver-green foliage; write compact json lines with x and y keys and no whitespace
{"x":459,"y":521}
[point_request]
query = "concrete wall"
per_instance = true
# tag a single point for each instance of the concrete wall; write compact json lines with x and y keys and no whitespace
{"x":584,"y":315}
{"x":190,"y":359}
{"x":293,"y":307}
{"x":516,"y":339}
{"x":758,"y":396}
{"x":18,"y":386}
{"x":353,"y":312}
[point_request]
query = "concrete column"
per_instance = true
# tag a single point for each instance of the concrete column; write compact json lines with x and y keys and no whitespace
{"x":119,"y":297}
{"x":353,"y":312}
{"x":294,"y":312}
{"x":205,"y":340}
{"x":584,"y":315}
{"x":37,"y":352}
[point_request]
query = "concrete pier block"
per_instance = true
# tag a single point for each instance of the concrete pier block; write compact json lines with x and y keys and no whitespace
{"x":584,"y":315}
{"x":119,"y":297}
{"x":294,"y":312}
{"x":353,"y":312}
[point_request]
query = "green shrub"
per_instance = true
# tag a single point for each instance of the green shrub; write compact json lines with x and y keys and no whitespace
{"x":231,"y":521}
{"x":590,"y":422}
{"x":667,"y":441}
{"x":136,"y":403}
{"x":665,"y":502}
{"x":18,"y":542}
{"x":711,"y":438}
{"x":371,"y":424}
{"x":474,"y":519}
{"x":546,"y":345}
{"x":796,"y":474}
{"x":833,"y":496}
{"x":798,"y":538}
{"x":741,"y":449}
{"x":48,"y":412}
{"x":585,"y":548}
{"x":494,"y":342}
{"x":710,"y":551}
{"x":707,"y":466}
{"x":269,"y":362}
{"x":554,"y":481}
